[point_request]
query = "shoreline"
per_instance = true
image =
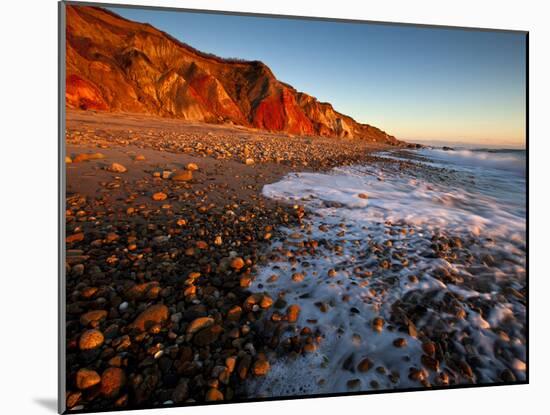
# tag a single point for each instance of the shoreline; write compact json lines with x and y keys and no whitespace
{"x":394,"y":298}
{"x":207,"y":251}
{"x":182,"y":263}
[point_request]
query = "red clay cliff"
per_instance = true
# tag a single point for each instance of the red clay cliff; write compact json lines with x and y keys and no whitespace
{"x":117,"y":65}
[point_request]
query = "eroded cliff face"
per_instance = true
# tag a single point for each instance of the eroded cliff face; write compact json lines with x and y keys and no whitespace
{"x":117,"y":65}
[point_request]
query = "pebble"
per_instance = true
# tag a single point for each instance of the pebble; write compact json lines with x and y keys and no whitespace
{"x":245,"y":281}
{"x":111,"y":237}
{"x":144,"y":291}
{"x":85,"y":157}
{"x":75,"y":237}
{"x":466,"y":369}
{"x":72,"y":399}
{"x":202,"y":245}
{"x":183,"y":176}
{"x":364,"y":365}
{"x":88,"y":292}
{"x":309,"y":348}
{"x":181,"y":392}
{"x":87,"y":378}
{"x":91,"y":339}
{"x":507,"y":376}
{"x":378,"y":324}
{"x":208,"y":335}
{"x":400,"y":342}
{"x":194,"y":275}
{"x":159,"y":196}
{"x":417,"y":374}
{"x":113,"y":380}
{"x":153,"y":315}
{"x":429,"y":348}
{"x":117,"y":168}
{"x":430,"y":362}
{"x":199,"y":324}
{"x":243,"y":366}
{"x":214,"y":394}
{"x":92,"y":316}
{"x":260,"y":367}
{"x":293,"y":313}
{"x":78,"y":269}
{"x":297,"y":277}
{"x":234,"y":313}
{"x":230,"y":363}
{"x":192,"y":167}
{"x":237,"y":263}
{"x":353,"y":383}
{"x":266,"y":302}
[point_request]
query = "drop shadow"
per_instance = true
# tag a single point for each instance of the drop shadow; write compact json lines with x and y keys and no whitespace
{"x":48,"y":403}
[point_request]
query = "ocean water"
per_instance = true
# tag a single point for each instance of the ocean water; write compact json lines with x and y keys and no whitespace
{"x":432,"y":243}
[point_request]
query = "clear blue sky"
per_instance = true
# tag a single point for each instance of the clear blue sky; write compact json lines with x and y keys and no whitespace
{"x":415,"y":83}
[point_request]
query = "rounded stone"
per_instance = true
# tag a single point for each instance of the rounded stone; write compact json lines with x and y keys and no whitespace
{"x":237,"y":263}
{"x":117,"y":168}
{"x":192,"y":166}
{"x":400,"y":342}
{"x":87,"y":378}
{"x":260,"y":367}
{"x":364,"y":365}
{"x":199,"y":324}
{"x":159,"y":196}
{"x":182,"y":176}
{"x":91,"y":339}
{"x":113,"y":380}
{"x":214,"y":394}
{"x":150,"y":317}
{"x":92,"y":316}
{"x":293,"y":312}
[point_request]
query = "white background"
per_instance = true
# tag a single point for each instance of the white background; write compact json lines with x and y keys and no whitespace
{"x":28,"y":236}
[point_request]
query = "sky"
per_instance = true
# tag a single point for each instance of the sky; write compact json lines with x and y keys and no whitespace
{"x":416,"y":83}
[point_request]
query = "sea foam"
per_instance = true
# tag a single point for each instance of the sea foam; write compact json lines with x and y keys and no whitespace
{"x":456,"y":194}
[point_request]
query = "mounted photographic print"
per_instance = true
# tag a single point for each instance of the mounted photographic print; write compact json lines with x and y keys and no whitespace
{"x":260,"y":207}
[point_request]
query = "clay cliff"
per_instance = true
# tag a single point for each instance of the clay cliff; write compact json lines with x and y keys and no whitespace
{"x":117,"y":65}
